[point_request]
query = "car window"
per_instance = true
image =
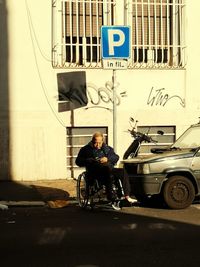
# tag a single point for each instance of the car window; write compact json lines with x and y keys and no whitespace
{"x":189,"y":139}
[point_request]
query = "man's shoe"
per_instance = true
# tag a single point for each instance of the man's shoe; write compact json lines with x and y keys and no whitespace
{"x":131,"y":200}
{"x":116,"y":205}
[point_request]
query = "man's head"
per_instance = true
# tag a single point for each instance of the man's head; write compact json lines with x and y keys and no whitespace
{"x":97,"y":140}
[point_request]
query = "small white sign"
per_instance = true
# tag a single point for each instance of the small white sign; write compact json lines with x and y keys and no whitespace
{"x":115,"y":64}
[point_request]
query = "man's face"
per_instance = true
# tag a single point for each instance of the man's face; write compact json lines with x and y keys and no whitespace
{"x":98,"y":142}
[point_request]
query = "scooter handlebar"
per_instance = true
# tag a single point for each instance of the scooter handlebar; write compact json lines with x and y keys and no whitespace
{"x":145,"y":137}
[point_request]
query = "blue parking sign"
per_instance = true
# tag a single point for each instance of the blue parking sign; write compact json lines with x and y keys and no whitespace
{"x":115,"y":42}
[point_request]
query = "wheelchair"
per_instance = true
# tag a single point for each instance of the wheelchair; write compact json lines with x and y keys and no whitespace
{"x":91,"y":192}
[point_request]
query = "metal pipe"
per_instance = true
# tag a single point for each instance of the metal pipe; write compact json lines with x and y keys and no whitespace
{"x":114,"y":111}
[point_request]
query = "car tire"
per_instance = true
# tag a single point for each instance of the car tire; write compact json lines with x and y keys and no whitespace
{"x":178,"y":192}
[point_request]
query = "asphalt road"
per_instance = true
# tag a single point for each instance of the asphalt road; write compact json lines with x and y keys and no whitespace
{"x":71,"y":237}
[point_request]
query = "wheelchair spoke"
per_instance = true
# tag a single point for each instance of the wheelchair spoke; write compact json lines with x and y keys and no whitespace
{"x":82,"y":190}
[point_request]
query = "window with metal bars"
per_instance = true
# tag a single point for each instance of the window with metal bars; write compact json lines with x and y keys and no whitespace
{"x":81,"y":31}
{"x":158,"y":33}
{"x":157,"y":29}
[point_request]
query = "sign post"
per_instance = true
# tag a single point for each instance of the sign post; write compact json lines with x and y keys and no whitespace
{"x":115,"y":54}
{"x":114,"y":111}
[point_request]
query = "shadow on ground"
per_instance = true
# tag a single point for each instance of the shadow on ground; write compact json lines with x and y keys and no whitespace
{"x":72,"y":237}
{"x":15,"y":191}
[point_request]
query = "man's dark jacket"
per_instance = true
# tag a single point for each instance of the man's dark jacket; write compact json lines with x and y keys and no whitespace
{"x":87,"y":155}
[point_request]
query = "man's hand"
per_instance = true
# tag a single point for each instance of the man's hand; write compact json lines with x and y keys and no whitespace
{"x":103,"y":160}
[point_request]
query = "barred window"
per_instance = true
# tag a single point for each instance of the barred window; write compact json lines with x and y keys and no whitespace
{"x":157,"y":32}
{"x":81,"y":31}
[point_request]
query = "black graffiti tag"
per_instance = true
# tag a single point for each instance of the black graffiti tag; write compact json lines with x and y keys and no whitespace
{"x":159,"y":97}
{"x":96,"y":95}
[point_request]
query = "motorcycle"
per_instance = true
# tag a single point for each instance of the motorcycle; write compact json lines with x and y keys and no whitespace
{"x":132,"y":152}
{"x":139,"y":138}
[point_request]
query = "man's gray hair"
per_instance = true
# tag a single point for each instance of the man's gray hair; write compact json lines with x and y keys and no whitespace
{"x":97,"y":134}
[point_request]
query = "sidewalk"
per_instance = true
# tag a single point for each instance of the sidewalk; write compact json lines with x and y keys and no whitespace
{"x":54,"y":193}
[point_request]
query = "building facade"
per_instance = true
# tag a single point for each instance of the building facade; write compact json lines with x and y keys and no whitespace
{"x":56,"y":90}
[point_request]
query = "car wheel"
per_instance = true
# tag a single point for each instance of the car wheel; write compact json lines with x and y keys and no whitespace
{"x":178,"y":192}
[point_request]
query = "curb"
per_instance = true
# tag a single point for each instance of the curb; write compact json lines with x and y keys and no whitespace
{"x":22,"y":203}
{"x":51,"y":204}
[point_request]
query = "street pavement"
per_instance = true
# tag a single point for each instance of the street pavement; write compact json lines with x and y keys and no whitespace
{"x":72,"y":237}
{"x":43,"y":226}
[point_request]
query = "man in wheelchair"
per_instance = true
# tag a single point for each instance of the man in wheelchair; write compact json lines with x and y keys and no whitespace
{"x":99,"y":159}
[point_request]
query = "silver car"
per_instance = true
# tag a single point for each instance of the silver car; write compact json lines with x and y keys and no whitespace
{"x":172,"y":174}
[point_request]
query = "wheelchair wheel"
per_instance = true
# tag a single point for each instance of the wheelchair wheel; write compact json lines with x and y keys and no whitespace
{"x":82,"y":190}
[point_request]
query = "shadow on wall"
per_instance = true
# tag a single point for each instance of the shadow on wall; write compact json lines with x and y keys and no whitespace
{"x":5,"y":163}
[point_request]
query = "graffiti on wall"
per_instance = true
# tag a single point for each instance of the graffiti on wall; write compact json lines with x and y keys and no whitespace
{"x":102,"y":97}
{"x":75,"y":92}
{"x":160,"y":97}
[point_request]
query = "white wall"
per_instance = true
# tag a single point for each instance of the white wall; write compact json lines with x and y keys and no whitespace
{"x":37,"y":134}
{"x":37,"y":131}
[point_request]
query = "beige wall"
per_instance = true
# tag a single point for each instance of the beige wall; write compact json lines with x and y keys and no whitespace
{"x":32,"y":131}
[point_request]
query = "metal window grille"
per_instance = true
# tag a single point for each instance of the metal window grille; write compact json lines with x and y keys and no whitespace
{"x":77,"y":137}
{"x":157,"y":27}
{"x":163,"y":141}
{"x":81,"y":31}
{"x":157,"y":33}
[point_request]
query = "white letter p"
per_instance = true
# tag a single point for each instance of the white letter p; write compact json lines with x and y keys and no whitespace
{"x":112,"y":43}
